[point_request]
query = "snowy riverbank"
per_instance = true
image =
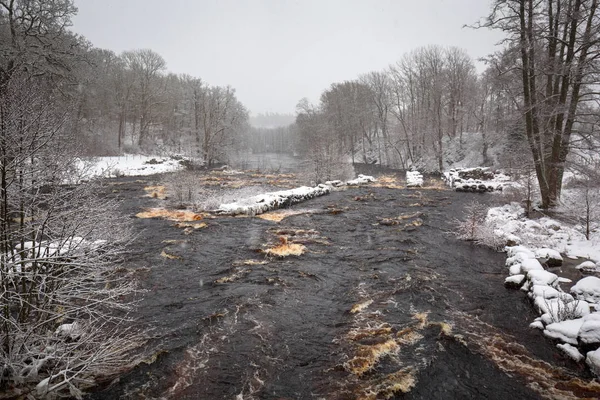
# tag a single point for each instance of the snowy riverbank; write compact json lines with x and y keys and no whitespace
{"x":568,"y":313}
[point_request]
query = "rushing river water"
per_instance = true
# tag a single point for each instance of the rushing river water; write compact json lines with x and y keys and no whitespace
{"x":385,"y":303}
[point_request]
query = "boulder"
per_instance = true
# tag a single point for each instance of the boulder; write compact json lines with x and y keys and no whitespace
{"x":551,"y":257}
{"x":587,"y":289}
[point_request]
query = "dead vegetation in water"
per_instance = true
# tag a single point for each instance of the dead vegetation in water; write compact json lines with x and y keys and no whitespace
{"x":250,"y":262}
{"x":368,"y":356}
{"x":280,"y":215}
{"x":383,"y":358}
{"x":404,"y":221}
{"x":192,"y":225}
{"x":402,"y":381}
{"x":389,"y":182}
{"x":358,"y":307}
{"x":227,"y":179}
{"x":409,"y":219}
{"x":156,"y":192}
{"x":171,"y":215}
{"x":170,"y":256}
{"x":237,"y":274}
{"x":285,"y":249}
{"x":301,"y":236}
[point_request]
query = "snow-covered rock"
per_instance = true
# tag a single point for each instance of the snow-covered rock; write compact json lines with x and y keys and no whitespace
{"x":514,"y":281}
{"x":565,"y":331}
{"x":515,"y":269}
{"x":361,"y":180}
{"x":512,"y":251}
{"x":541,"y":277}
{"x":537,"y":324}
{"x":552,"y":257}
{"x":414,"y":179}
{"x":588,"y":266}
{"x":571,"y":351}
{"x":560,"y":308}
{"x":544,"y":291}
{"x":592,"y":359}
{"x":589,"y":333}
{"x":520,"y":257}
{"x":587,"y":289}
{"x":531,"y":265}
{"x":335,"y":183}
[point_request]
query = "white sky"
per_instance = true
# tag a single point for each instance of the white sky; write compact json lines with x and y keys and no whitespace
{"x":275,"y":52}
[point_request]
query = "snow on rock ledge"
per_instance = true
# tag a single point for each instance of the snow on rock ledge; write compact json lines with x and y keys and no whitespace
{"x":270,"y":201}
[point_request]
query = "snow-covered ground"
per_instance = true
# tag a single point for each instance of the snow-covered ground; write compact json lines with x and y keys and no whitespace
{"x":126,"y":165}
{"x":572,"y":318}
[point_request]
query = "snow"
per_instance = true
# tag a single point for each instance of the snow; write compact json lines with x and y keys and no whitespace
{"x":520,"y":257}
{"x":590,"y":329}
{"x":546,"y":237}
{"x":270,"y":201}
{"x":537,"y":324}
{"x":126,"y":165}
{"x":541,"y":277}
{"x":544,"y":291}
{"x":565,"y":331}
{"x":571,"y":351}
{"x":593,"y":361}
{"x":515,"y":280}
{"x":548,"y":254}
{"x":531,"y":265}
{"x":587,"y":289}
{"x":414,"y":179}
{"x":514,"y":250}
{"x":361,"y":180}
{"x":515,"y":269}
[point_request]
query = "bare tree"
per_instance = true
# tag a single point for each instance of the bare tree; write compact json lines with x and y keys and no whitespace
{"x":61,"y":298}
{"x":558,"y":45}
{"x":221,"y":116}
{"x":147,"y":67}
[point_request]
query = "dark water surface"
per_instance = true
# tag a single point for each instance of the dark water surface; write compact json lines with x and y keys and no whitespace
{"x":373,"y":309}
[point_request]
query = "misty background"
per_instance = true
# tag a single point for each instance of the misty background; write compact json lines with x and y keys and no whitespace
{"x":276,"y":52}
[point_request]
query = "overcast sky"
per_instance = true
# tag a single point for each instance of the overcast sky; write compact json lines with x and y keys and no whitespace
{"x":275,"y":52}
